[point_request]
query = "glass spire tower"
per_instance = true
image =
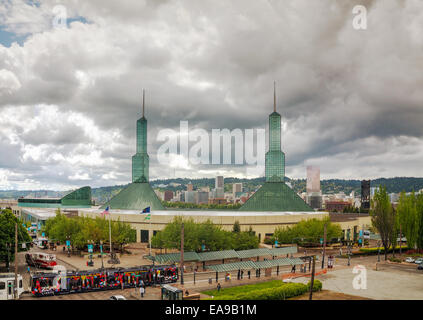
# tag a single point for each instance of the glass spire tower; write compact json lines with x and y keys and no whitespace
{"x":275,"y":158}
{"x":140,"y":160}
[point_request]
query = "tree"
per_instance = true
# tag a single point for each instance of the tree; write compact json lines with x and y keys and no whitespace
{"x":237,"y":227}
{"x":419,"y":207}
{"x":409,"y":218}
{"x":206,"y":233}
{"x":81,"y":230}
{"x":311,"y":229}
{"x":383,"y":218}
{"x":7,"y":236}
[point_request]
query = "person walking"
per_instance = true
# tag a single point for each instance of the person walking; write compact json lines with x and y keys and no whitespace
{"x":142,"y":291}
{"x":218,"y":287}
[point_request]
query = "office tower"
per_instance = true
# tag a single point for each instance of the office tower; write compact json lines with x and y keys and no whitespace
{"x":365,"y":194}
{"x":190,"y":187}
{"x":313,"y":179}
{"x":168,"y":195}
{"x":219,"y":182}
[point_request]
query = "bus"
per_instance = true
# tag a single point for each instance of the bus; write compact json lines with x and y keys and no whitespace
{"x":47,"y":284}
{"x":7,"y":281}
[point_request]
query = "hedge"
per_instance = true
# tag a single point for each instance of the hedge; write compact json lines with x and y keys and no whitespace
{"x":382,"y":250}
{"x":285,"y":291}
{"x":316,"y":287}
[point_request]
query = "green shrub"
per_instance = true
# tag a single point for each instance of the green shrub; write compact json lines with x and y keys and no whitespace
{"x":369,"y":251}
{"x":316,"y":287}
{"x":282,"y":292}
{"x":244,"y":288}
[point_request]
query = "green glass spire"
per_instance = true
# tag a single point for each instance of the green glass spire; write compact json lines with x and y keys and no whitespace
{"x":140,"y":160}
{"x":275,"y":158}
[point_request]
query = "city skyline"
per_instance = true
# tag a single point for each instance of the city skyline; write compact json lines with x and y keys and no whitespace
{"x":67,"y":119}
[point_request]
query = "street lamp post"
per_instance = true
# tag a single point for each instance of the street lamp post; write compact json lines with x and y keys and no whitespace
{"x":101,"y":254}
{"x":378,"y":251}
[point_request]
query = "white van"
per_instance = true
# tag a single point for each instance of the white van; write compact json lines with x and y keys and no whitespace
{"x":6,"y":286}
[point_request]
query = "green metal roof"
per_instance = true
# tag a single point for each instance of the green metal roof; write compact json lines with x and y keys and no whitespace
{"x":136,"y":196}
{"x":275,"y":196}
{"x":217,"y":255}
{"x":176,"y":257}
{"x":284,"y":250}
{"x":242,"y":265}
{"x":277,"y":262}
{"x":254,"y":253}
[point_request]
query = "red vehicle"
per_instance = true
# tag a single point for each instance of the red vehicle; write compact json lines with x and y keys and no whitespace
{"x":41,"y":260}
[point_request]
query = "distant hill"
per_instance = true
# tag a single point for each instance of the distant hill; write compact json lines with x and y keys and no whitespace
{"x":393,"y":185}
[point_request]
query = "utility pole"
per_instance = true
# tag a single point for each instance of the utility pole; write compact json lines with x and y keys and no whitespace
{"x":324,"y":246}
{"x":182,"y":254}
{"x":15,"y":287}
{"x":312,"y":278}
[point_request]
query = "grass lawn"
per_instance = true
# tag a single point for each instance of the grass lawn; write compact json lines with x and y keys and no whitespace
{"x":245,"y":288}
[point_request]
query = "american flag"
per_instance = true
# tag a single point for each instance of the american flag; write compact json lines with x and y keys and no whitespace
{"x":105,"y":211}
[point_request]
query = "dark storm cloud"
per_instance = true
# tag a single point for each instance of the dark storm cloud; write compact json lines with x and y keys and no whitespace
{"x":213,"y":63}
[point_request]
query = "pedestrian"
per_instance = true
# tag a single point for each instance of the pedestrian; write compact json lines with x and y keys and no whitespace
{"x":142,"y":291}
{"x":218,"y":287}
{"x":340,"y":251}
{"x":186,"y":292}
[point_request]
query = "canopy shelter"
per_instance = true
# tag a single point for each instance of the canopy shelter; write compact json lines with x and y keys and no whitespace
{"x":254,"y":253}
{"x":283,"y":251}
{"x":221,"y":255}
{"x":218,"y":255}
{"x":176,"y":257}
{"x":277,"y":263}
{"x":242,"y":265}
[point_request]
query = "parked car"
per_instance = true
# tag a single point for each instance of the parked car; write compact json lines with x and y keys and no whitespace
{"x":118,"y":297}
{"x":418,"y":260}
{"x":420,"y":266}
{"x":409,"y":260}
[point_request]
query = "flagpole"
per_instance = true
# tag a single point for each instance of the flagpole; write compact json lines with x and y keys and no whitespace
{"x":149,"y":235}
{"x":110,"y":234}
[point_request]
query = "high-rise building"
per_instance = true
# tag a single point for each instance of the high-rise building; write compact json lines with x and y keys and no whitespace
{"x":202,"y":197}
{"x":191,"y":196}
{"x":140,"y":160}
{"x":168,"y":195}
{"x":190,"y":187}
{"x":365,"y":194}
{"x":313,"y":179}
{"x":236,"y":190}
{"x":219,"y":182}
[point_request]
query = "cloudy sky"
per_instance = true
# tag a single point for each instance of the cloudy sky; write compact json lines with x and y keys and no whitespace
{"x":70,"y":89}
